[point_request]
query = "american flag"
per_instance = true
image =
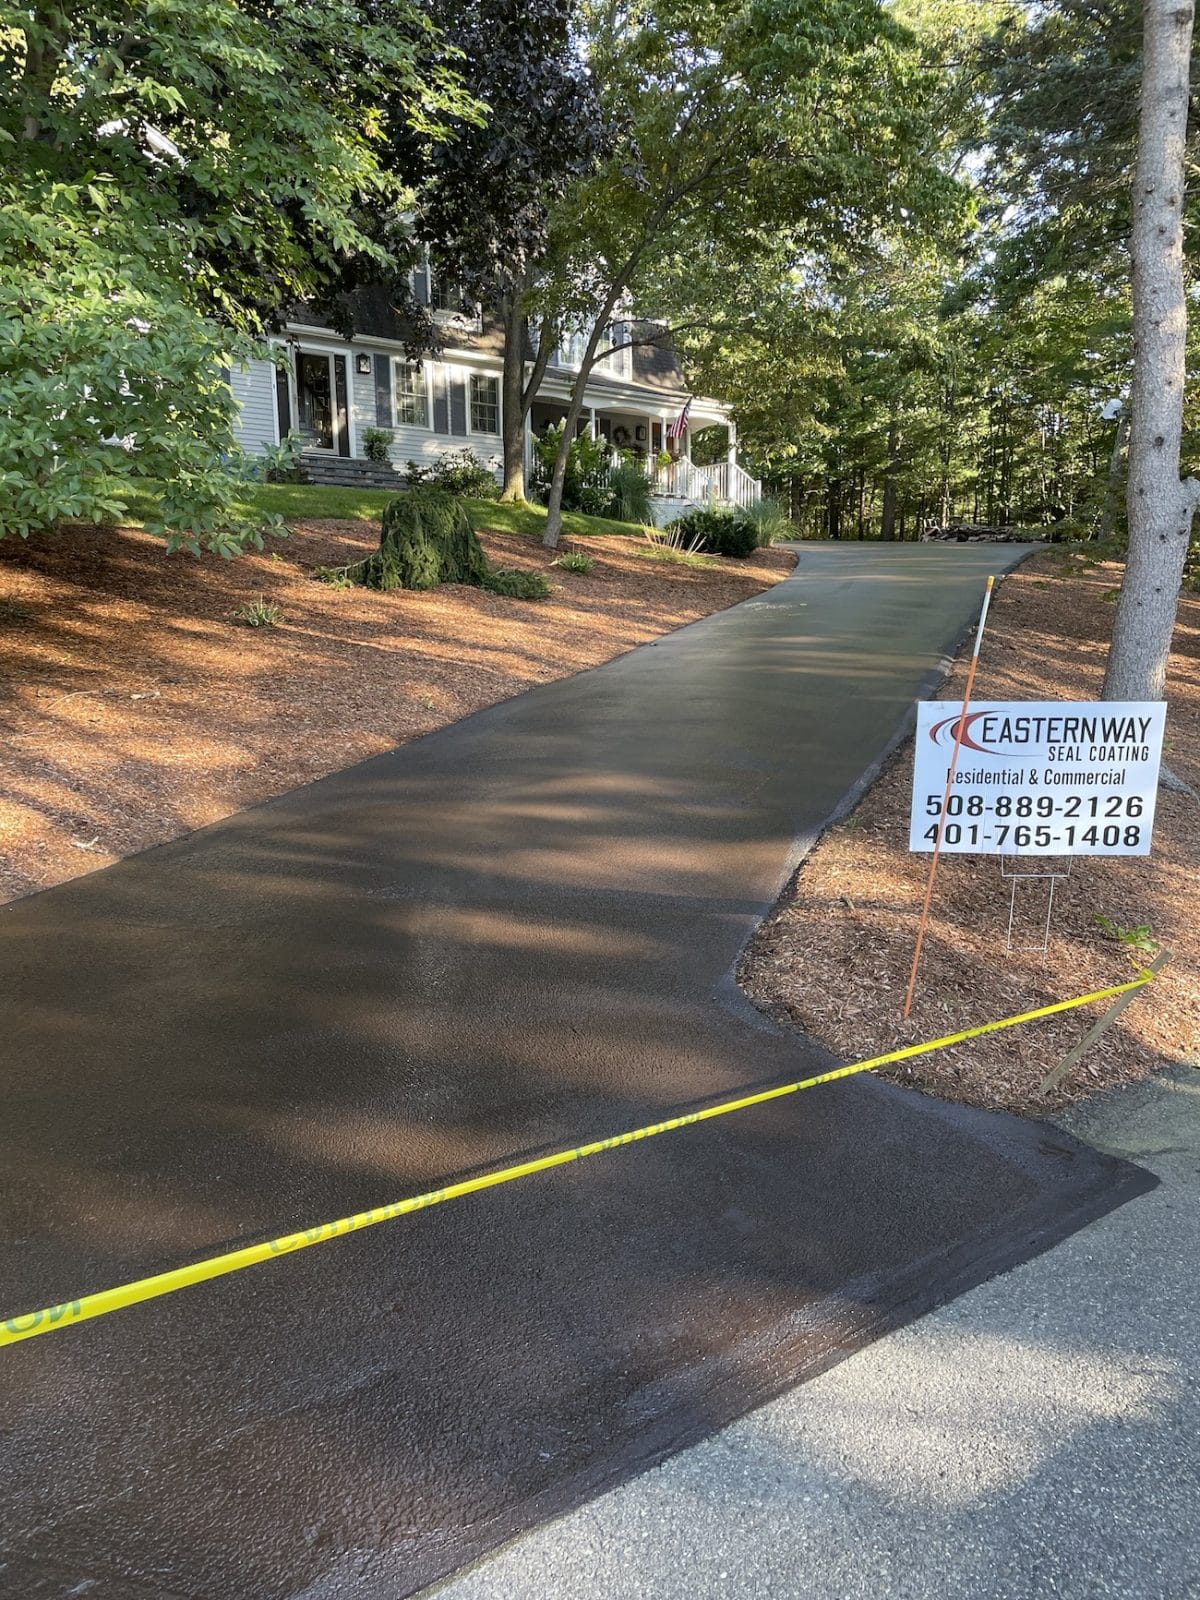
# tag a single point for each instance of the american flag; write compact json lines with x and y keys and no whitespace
{"x":679,"y":427}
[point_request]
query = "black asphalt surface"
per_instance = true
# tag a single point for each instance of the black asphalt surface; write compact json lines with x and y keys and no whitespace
{"x":514,"y":934}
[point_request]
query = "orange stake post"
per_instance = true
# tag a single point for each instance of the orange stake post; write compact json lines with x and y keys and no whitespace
{"x":960,"y":729}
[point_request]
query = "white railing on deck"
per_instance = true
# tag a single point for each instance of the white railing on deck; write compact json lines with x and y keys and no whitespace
{"x":724,"y":481}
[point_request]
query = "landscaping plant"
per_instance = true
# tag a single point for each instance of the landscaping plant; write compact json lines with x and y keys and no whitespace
{"x":629,"y":492}
{"x":719,"y":531}
{"x":458,"y":472}
{"x":260,"y":613}
{"x":426,"y":538}
{"x":281,"y":463}
{"x":375,"y":442}
{"x":586,"y":487}
{"x":673,"y":545}
{"x":771,"y":521}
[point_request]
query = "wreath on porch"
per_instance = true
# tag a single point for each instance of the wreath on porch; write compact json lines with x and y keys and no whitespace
{"x":620,"y":436}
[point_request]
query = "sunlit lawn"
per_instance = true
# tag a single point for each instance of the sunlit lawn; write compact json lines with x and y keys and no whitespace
{"x":296,"y":502}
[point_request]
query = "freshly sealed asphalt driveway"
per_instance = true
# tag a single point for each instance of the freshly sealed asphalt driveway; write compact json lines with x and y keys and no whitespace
{"x":514,"y":934}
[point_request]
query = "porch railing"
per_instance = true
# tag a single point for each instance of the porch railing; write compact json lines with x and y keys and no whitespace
{"x":724,"y":481}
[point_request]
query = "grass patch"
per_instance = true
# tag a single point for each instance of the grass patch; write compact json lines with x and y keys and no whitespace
{"x":304,"y":502}
{"x":675,"y":558}
{"x":675,"y":546}
{"x":530,"y":519}
{"x":260,"y":613}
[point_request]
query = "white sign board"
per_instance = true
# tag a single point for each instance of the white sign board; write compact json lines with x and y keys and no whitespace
{"x":1038,"y":777}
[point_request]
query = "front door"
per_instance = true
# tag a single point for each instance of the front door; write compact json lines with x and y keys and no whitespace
{"x":314,"y":400}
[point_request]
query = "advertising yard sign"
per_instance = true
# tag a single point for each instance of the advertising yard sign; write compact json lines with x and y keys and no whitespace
{"x":1038,"y":777}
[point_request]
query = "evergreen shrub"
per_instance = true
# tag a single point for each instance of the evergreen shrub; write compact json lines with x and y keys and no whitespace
{"x":426,"y":538}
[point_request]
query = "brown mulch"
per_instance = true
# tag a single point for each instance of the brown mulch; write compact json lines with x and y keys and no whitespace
{"x":834,"y":957}
{"x":133,"y":707}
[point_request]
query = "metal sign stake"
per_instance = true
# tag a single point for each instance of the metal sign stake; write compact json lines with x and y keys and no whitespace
{"x":941,"y":826}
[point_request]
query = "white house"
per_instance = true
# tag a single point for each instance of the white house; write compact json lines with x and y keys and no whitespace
{"x":330,"y":390}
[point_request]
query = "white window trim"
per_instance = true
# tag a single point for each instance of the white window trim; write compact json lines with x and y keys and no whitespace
{"x":398,"y":364}
{"x":459,"y":321}
{"x":484,"y":433}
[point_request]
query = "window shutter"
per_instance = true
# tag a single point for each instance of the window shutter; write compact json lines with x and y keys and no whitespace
{"x":441,"y":410}
{"x":283,"y":403}
{"x":619,"y":365}
{"x":383,"y":390}
{"x":458,"y":405}
{"x":341,"y":408}
{"x":420,"y":281}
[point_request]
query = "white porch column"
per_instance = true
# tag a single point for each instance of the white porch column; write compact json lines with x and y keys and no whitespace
{"x":731,"y":457}
{"x":591,"y":422}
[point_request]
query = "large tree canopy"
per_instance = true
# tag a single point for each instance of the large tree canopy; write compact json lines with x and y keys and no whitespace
{"x":487,"y":191}
{"x":174,"y":175}
{"x":758,"y":145}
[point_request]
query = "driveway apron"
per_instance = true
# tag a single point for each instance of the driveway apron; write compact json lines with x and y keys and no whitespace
{"x":514,"y":934}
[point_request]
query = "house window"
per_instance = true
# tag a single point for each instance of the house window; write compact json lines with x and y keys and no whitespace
{"x":447,"y":296}
{"x":412,"y":394}
{"x":485,"y":404}
{"x":573,"y":346}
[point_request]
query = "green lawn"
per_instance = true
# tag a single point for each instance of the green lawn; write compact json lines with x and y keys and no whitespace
{"x":306,"y":501}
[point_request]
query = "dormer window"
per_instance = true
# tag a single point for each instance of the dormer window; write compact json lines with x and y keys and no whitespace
{"x":572,"y":347}
{"x":446,"y":299}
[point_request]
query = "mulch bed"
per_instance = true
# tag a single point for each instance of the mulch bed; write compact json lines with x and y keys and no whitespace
{"x":133,"y":707}
{"x":834,"y":957}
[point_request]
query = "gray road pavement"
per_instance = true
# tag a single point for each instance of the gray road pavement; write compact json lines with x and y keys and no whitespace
{"x":1038,"y":1437}
{"x":514,"y":934}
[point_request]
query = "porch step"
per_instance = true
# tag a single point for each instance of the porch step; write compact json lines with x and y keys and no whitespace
{"x":350,"y":472}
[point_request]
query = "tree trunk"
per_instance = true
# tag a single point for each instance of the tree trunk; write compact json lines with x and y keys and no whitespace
{"x":513,"y":409}
{"x":833,"y":507}
{"x":575,"y":410}
{"x":887,"y":523}
{"x":1160,"y":507}
{"x":1108,"y":513}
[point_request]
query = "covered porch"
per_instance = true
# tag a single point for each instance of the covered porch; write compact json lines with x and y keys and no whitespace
{"x":633,"y":431}
{"x":643,"y":434}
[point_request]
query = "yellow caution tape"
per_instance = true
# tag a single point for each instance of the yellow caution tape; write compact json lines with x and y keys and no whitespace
{"x":69,"y":1312}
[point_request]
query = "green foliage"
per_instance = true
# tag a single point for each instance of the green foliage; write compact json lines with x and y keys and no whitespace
{"x":770,"y":519}
{"x":425,"y":539}
{"x":670,"y":545}
{"x":458,"y":472}
{"x":517,"y":585}
{"x":260,"y":613}
{"x":375,"y":442}
{"x":1140,"y":938}
{"x":106,"y":380}
{"x":586,"y":485}
{"x":764,"y":147}
{"x":335,"y":577}
{"x":574,"y":561}
{"x":720,"y":532}
{"x":629,"y":492}
{"x":174,"y":177}
{"x":281,"y":463}
{"x":295,"y":502}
